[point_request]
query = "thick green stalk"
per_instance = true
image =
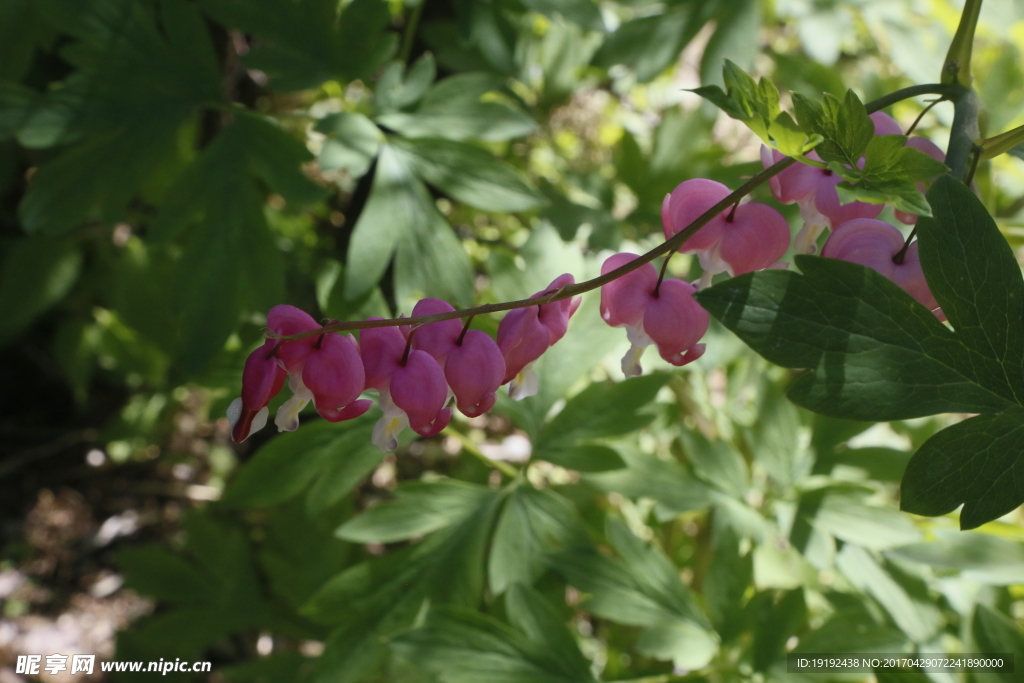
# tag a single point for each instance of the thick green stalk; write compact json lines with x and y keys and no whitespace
{"x":957,"y":67}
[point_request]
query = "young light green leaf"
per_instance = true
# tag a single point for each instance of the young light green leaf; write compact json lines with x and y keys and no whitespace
{"x":844,"y":125}
{"x":352,"y":144}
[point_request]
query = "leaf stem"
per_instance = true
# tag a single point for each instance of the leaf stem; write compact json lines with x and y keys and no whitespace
{"x":475,"y":451}
{"x":410,"y":31}
{"x":670,"y":245}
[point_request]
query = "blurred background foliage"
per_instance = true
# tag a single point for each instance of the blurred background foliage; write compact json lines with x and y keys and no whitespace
{"x":170,"y":169}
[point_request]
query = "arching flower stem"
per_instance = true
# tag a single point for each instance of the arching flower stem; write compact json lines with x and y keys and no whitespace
{"x":667,"y":247}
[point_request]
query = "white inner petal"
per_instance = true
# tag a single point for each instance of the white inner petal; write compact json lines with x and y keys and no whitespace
{"x":234,"y":412}
{"x":525,"y":384}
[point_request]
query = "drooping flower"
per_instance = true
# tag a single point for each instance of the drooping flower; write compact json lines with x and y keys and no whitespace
{"x":748,"y":237}
{"x":665,"y":315}
{"x":524,"y":334}
{"x":412,"y":387}
{"x":325,"y":369}
{"x":874,"y":244}
{"x":262,"y":379}
{"x":814,"y":191}
{"x":473,"y":365}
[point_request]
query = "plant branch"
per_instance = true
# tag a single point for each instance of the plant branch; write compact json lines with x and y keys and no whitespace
{"x":951,"y":91}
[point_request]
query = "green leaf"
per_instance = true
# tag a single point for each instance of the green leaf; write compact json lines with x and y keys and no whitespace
{"x":756,"y":103}
{"x":37,"y":273}
{"x":872,"y":352}
{"x":586,"y":458}
{"x":973,"y":556}
{"x":374,"y":600}
{"x":398,"y":88}
{"x":586,"y":13}
{"x":153,"y":571}
{"x":995,"y":634}
{"x":306,"y":42}
{"x":908,"y":603}
{"x":844,"y":515}
{"x":734,"y":40}
{"x":977,"y":463}
{"x":890,"y":174}
{"x":844,"y":125}
{"x":456,"y":109}
{"x":716,"y":462}
{"x":774,"y":438}
{"x":141,"y":71}
{"x":648,"y":45}
{"x":16,"y":104}
{"x":665,"y":481}
{"x":469,"y":175}
{"x":600,"y":411}
{"x":342,"y":474}
{"x":352,"y":144}
{"x":300,"y":553}
{"x":641,"y":587}
{"x":537,"y":619}
{"x":400,"y":216}
{"x":729,"y":575}
{"x":460,"y":646}
{"x":419,"y":509}
{"x":288,"y":463}
{"x":533,"y":524}
{"x":976,"y":279}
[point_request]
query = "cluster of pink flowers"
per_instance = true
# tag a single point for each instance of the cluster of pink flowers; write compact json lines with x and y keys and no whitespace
{"x":856,"y":234}
{"x":415,"y":370}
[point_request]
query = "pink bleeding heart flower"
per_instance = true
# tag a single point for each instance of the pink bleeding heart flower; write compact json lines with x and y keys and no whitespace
{"x":748,"y":237}
{"x":438,"y":338}
{"x":475,"y":369}
{"x":412,"y":387}
{"x":874,"y":243}
{"x":813,"y":190}
{"x":262,"y":379}
{"x":473,"y":365}
{"x":667,"y":315}
{"x":935,"y":152}
{"x":325,"y":369}
{"x":524,"y":334}
{"x":885,"y":124}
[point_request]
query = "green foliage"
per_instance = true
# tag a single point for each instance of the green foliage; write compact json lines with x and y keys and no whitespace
{"x":171,"y":169}
{"x":873,"y":353}
{"x":756,"y":103}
